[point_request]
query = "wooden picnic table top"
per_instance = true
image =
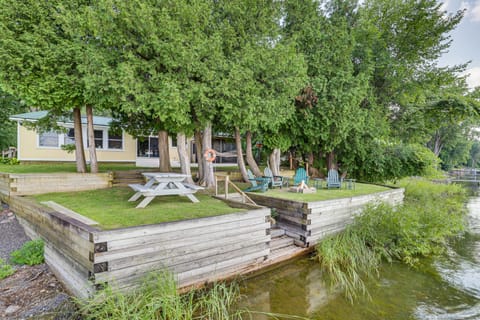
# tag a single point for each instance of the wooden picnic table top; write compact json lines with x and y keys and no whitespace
{"x":162,"y":184}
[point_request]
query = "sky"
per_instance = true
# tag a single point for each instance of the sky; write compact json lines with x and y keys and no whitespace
{"x":466,"y":39}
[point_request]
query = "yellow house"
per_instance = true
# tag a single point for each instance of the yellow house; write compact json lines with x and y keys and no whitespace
{"x":38,"y":146}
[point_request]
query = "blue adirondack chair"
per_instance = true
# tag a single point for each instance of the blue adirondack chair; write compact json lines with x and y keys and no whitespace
{"x":300,"y":175}
{"x":274,"y":181}
{"x":333,"y":180}
{"x":258,"y":183}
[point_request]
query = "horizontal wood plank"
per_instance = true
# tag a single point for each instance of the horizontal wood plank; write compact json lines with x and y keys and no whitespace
{"x":125,"y":233}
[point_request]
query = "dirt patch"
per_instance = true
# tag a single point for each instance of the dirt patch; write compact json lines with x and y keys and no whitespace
{"x":32,"y":291}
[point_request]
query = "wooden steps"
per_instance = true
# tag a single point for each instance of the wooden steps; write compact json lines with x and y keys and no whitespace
{"x":281,"y":242}
{"x":124,"y":178}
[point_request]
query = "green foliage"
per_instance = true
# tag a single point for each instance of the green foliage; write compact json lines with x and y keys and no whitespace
{"x":346,"y":260}
{"x":397,"y":161}
{"x":327,"y":108}
{"x":68,"y":147}
{"x":31,"y":253}
{"x":431,"y":214}
{"x":5,"y":269}
{"x":158,"y":298}
{"x":9,"y":161}
{"x":8,"y":107}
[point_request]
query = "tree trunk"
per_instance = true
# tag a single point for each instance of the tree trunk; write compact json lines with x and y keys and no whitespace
{"x":183,"y":156}
{"x":275,"y":161}
{"x":91,"y":140}
{"x":331,"y":160}
{"x":241,"y":163}
{"x":199,"y":155}
{"x":437,"y":144}
{"x":208,"y":175}
{"x":163,"y":152}
{"x":79,"y":151}
{"x":249,"y":155}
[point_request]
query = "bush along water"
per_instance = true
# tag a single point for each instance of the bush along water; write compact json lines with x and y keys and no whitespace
{"x":431,"y":214}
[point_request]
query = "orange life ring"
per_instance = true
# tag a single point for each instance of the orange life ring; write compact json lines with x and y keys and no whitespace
{"x":210,"y":155}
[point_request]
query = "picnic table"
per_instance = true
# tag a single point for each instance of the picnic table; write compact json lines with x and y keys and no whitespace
{"x":163,"y":184}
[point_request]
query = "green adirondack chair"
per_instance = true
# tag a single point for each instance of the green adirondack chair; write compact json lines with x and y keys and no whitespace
{"x":258,"y":183}
{"x":300,"y":175}
{"x":274,"y":181}
{"x":333,"y":180}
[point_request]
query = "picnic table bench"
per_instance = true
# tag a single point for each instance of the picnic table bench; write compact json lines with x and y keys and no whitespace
{"x":163,"y":184}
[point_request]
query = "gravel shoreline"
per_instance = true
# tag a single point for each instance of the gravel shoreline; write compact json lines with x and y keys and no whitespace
{"x":32,"y":292}
{"x":12,"y":236}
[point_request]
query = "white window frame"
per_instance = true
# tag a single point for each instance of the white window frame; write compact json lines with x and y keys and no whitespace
{"x":60,"y":140}
{"x":105,"y":137}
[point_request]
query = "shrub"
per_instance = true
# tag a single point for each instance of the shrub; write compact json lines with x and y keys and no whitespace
{"x":5,"y":269}
{"x":9,"y":161}
{"x":31,"y":253}
{"x":431,"y":214}
{"x":396,"y":161}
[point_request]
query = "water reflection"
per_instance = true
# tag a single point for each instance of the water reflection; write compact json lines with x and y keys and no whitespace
{"x":447,"y":287}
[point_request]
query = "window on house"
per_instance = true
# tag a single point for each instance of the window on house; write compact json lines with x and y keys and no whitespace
{"x":69,"y":136}
{"x":98,"y":136}
{"x":174,"y":142}
{"x":48,"y":139}
{"x":115,"y":141}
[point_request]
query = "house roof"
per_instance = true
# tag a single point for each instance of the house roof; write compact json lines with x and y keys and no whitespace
{"x":37,"y":115}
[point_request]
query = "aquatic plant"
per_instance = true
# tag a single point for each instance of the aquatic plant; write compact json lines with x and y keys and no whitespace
{"x":158,"y":298}
{"x":431,"y":214}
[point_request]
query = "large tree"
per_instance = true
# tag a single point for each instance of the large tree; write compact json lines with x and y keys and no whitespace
{"x":329,"y":108}
{"x":9,"y":105}
{"x":261,"y":74}
{"x":42,"y":63}
{"x":163,"y":57}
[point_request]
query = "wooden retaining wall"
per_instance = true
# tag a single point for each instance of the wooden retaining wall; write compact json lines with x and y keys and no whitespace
{"x":4,"y":183}
{"x":309,"y":222}
{"x":68,"y":242}
{"x":196,"y":251}
{"x":37,"y":183}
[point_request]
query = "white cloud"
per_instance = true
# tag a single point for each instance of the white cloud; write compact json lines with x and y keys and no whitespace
{"x":474,"y":13}
{"x":465,"y":5}
{"x":473,"y":79}
{"x":445,"y":5}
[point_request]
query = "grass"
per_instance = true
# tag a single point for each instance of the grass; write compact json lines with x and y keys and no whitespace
{"x":431,"y":214}
{"x":325,"y":194}
{"x":158,"y":298}
{"x":111,"y":209}
{"x":60,"y":167}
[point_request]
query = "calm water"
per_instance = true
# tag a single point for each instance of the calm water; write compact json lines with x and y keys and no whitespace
{"x":445,"y":288}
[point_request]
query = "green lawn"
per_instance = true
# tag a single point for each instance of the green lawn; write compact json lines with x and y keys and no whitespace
{"x":111,"y":209}
{"x":60,"y":167}
{"x":325,"y":194}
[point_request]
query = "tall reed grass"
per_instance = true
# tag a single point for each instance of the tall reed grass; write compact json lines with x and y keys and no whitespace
{"x":431,"y":214}
{"x":158,"y":298}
